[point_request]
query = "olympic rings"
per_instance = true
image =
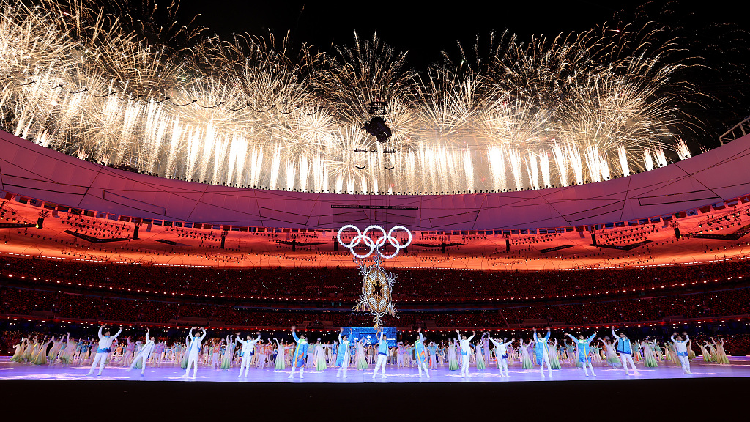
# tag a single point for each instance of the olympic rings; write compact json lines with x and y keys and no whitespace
{"x":374,"y":245}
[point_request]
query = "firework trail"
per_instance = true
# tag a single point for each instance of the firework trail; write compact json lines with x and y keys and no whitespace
{"x":110,"y":84}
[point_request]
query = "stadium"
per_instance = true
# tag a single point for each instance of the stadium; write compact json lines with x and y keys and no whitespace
{"x":374,"y":232}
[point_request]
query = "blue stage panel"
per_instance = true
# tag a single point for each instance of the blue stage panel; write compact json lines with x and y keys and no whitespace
{"x":355,"y":333}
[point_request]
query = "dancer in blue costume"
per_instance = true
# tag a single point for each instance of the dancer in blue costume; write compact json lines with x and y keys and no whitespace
{"x":542,"y":354}
{"x":421,"y":353}
{"x":300,"y":354}
{"x":625,"y":348}
{"x":583,"y":352}
{"x":338,"y":351}
{"x":382,"y":352}
{"x":343,"y":357}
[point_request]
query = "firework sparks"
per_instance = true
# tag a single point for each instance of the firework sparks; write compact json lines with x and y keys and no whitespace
{"x":250,"y":112}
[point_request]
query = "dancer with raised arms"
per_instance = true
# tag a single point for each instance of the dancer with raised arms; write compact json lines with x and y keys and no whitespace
{"x":421,"y":353}
{"x":300,"y":354}
{"x":248,"y":348}
{"x":501,"y":353}
{"x":680,"y":346}
{"x":344,"y":353}
{"x":144,"y":353}
{"x":542,"y":352}
{"x":583,"y":351}
{"x":194,"y":348}
{"x":625,"y":348}
{"x":465,"y":352}
{"x":104,"y":349}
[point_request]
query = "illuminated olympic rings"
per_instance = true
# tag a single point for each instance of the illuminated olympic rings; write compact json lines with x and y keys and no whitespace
{"x":374,"y":245}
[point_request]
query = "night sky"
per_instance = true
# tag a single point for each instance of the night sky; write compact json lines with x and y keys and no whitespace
{"x":425,"y":29}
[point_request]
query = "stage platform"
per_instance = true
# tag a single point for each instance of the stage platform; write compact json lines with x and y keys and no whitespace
{"x":738,"y":367}
{"x":162,"y":392}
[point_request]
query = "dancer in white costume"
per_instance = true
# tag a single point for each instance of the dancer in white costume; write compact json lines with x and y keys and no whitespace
{"x":465,"y":352}
{"x":625,"y":349}
{"x":248,"y":347}
{"x":144,"y":353}
{"x":343,"y":348}
{"x":583,"y":352}
{"x":541,"y":350}
{"x":421,"y":354}
{"x":194,"y":349}
{"x":382,"y":353}
{"x":680,"y":346}
{"x":501,"y":353}
{"x":103,"y":350}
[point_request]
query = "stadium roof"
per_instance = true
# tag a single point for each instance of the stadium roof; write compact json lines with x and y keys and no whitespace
{"x":714,"y":176}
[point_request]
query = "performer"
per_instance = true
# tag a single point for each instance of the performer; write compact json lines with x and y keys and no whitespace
{"x":144,"y":353}
{"x":485,"y":343}
{"x":67,"y":355}
{"x":680,"y":346}
{"x":625,"y":349}
{"x":360,"y":358}
{"x":280,"y":355}
{"x":501,"y":353}
{"x":465,"y":352}
{"x":319,"y":356}
{"x":721,"y":354}
{"x":226,"y":359}
{"x":421,"y":352}
{"x":479,"y":356}
{"x":554,"y":356}
{"x":523,"y":354}
{"x":649,"y":357}
{"x":18,"y":355}
{"x":343,"y":353}
{"x":452,"y":357}
{"x":159,"y":349}
{"x":300,"y":353}
{"x":542,"y":352}
{"x":339,"y":351}
{"x":103,"y":350}
{"x":262,"y":354}
{"x":247,"y":351}
{"x":609,"y":351}
{"x":382,"y":352}
{"x":583,"y":352}
{"x":432,"y":349}
{"x":194,"y":347}
{"x":128,"y":353}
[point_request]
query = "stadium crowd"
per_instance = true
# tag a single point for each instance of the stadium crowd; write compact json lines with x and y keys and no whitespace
{"x":345,"y":283}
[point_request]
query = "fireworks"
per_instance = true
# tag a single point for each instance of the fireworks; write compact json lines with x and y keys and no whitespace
{"x":250,"y":112}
